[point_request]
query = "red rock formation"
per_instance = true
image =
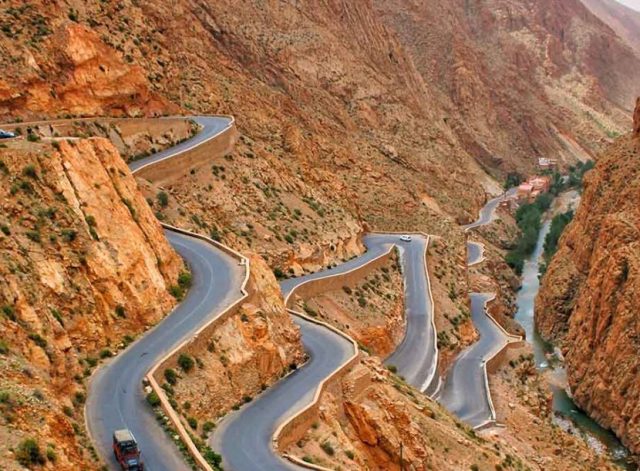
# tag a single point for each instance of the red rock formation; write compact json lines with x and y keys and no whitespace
{"x":76,"y":73}
{"x":84,"y":267}
{"x":589,"y":295}
{"x":244,"y":353}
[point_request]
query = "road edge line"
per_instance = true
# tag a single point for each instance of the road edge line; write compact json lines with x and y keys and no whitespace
{"x":195,"y":145}
{"x":428,"y":238}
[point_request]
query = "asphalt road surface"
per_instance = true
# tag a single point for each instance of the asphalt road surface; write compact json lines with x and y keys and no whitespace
{"x":464,"y":392}
{"x":244,"y":437}
{"x":416,"y":357}
{"x":487,"y":212}
{"x":116,"y":398}
{"x":211,"y":126}
{"x":475,"y":252}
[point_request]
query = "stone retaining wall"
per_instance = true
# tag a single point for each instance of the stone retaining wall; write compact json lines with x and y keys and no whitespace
{"x":179,"y":167}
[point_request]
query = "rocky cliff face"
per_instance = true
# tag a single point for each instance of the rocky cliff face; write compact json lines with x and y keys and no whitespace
{"x":371,"y":420}
{"x":623,"y":20}
{"x":519,"y":79}
{"x":84,"y":267}
{"x":588,"y":297}
{"x":53,"y":69}
{"x":350,"y":104}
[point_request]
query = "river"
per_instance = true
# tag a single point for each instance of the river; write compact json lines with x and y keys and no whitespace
{"x":569,"y":416}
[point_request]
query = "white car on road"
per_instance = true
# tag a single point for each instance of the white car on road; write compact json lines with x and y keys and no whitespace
{"x":405,"y":238}
{"x":6,"y":134}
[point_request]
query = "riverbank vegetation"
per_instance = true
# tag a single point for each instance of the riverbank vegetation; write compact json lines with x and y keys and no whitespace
{"x":529,"y":216}
{"x":573,"y":180}
{"x":529,"y":220}
{"x":558,"y":224}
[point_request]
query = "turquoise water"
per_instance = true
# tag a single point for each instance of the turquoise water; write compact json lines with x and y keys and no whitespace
{"x":563,"y":405}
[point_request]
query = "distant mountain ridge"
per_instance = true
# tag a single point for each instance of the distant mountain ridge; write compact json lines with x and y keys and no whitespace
{"x":623,"y":20}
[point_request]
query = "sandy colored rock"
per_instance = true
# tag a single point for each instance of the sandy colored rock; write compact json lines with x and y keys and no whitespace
{"x":587,"y":302}
{"x":85,"y":267}
{"x":74,"y":73}
{"x":371,"y":415}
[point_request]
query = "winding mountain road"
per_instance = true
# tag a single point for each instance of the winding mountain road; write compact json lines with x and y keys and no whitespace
{"x":416,"y":357}
{"x":116,"y":399}
{"x":465,"y":391}
{"x":244,"y":438}
{"x":488,"y":211}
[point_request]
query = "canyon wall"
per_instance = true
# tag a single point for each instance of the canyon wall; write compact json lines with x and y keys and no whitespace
{"x":85,"y":267}
{"x":518,"y":78}
{"x":623,"y":20}
{"x":589,"y":295}
{"x":353,"y":115}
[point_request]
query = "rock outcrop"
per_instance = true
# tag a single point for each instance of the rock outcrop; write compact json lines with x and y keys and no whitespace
{"x":372,"y":420}
{"x":84,"y":268}
{"x":73,"y":72}
{"x":589,"y":295}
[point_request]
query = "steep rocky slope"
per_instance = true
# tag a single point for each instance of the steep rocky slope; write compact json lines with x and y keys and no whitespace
{"x":53,"y":69}
{"x":370,"y":309}
{"x":636,"y":119}
{"x":623,"y":20}
{"x":519,"y":79}
{"x":588,"y":297}
{"x":85,"y":268}
{"x":351,"y":118}
{"x":354,"y":115}
{"x":372,"y":420}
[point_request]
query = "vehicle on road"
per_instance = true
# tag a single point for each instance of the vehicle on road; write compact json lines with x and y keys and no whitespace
{"x":6,"y":134}
{"x":126,"y":450}
{"x":405,"y":238}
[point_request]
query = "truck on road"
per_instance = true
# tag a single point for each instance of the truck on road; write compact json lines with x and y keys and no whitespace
{"x":126,"y":450}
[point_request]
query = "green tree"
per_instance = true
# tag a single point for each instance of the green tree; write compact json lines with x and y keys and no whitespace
{"x":163,"y":198}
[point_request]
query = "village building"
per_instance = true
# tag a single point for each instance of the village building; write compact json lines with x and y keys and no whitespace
{"x":547,"y":164}
{"x":534,"y":186}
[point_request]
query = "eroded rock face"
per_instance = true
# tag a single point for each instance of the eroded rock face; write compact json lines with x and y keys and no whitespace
{"x":83,"y":264}
{"x":247,"y":352}
{"x":589,"y":296}
{"x":369,"y":419}
{"x":76,"y":73}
